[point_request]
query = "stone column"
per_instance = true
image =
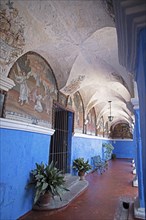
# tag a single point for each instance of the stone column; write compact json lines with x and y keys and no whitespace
{"x":5,"y":85}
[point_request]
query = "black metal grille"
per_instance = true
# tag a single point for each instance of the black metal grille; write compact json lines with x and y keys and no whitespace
{"x":59,"y":141}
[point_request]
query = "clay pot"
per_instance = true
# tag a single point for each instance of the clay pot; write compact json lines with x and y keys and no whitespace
{"x":81,"y":174}
{"x":44,"y":200}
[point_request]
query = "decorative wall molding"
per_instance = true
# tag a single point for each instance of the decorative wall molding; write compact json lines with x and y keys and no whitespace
{"x":17,"y":125}
{"x":133,"y":15}
{"x":114,"y":140}
{"x":97,"y":137}
{"x":88,"y":136}
{"x":6,"y":83}
{"x":135,"y":103}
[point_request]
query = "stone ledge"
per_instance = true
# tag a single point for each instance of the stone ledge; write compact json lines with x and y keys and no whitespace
{"x":76,"y":188}
{"x":138,"y":212}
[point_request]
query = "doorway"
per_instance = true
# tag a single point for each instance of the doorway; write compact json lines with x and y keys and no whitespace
{"x":60,"y":148}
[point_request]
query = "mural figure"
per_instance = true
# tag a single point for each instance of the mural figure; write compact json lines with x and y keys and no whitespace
{"x":38,"y":106}
{"x":24,"y":90}
{"x":47,"y":98}
{"x":91,"y":122}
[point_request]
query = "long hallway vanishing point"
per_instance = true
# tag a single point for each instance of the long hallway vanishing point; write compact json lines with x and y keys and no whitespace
{"x":72,"y":79}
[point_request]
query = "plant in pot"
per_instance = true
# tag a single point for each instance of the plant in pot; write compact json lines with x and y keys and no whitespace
{"x":81,"y":166}
{"x":48,"y":182}
{"x":113,"y":156}
{"x":108,"y":149}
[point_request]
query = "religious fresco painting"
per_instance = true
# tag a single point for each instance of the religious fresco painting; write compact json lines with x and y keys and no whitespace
{"x":121,"y":130}
{"x":74,"y":84}
{"x":62,"y":99}
{"x":76,"y":104}
{"x":12,"y":34}
{"x":31,"y":99}
{"x":91,"y":125}
{"x":70,"y":102}
{"x":100,"y":127}
{"x":106,"y":131}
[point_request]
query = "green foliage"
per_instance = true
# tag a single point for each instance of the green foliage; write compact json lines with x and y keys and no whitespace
{"x":80,"y":165}
{"x":108,"y":150}
{"x":47,"y":178}
{"x":113,"y":156}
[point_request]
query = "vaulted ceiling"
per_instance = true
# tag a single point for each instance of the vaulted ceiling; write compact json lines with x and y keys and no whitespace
{"x":79,"y":41}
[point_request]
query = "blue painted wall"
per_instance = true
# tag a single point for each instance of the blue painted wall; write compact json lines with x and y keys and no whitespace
{"x":86,"y":147}
{"x":141,"y":84}
{"x":89,"y":147}
{"x":124,"y":149}
{"x":19,"y":152}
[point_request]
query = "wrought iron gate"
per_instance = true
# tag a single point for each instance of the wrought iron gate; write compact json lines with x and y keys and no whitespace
{"x":60,"y":146}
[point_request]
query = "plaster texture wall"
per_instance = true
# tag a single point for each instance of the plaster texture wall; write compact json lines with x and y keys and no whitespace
{"x":86,"y":148}
{"x":124,"y":149}
{"x":141,"y":83}
{"x":19,"y":152}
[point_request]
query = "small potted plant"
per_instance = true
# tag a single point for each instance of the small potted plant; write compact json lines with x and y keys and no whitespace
{"x":113,"y":156}
{"x":81,"y":166}
{"x":48,"y":182}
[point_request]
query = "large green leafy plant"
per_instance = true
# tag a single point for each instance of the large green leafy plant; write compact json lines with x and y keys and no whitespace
{"x":80,"y":165}
{"x":108,"y":149}
{"x":47,"y":179}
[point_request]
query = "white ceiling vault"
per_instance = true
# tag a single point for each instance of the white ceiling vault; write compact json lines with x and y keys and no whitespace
{"x":78,"y":39}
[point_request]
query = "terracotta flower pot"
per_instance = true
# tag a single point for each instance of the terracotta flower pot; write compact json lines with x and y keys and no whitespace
{"x":81,"y":174}
{"x":44,"y":200}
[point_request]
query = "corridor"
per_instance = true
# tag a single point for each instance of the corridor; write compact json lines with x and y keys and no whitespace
{"x":101,"y":199}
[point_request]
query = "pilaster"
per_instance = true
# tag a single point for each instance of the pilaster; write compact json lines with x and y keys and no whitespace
{"x":6,"y":83}
{"x":139,"y":206}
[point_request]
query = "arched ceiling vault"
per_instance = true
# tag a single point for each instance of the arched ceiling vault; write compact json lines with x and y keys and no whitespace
{"x":79,"y":41}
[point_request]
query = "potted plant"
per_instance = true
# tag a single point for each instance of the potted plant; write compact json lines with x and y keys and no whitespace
{"x":108,"y":148}
{"x":81,"y":166}
{"x":113,"y":156}
{"x":48,"y":182}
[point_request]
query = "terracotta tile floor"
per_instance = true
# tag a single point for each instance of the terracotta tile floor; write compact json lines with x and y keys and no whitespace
{"x":100,"y":200}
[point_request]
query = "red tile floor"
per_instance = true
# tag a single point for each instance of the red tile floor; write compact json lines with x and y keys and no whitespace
{"x":100,"y":200}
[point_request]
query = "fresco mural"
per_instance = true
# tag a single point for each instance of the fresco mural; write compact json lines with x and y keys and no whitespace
{"x":11,"y":33}
{"x":62,"y":99}
{"x":70,"y":102}
{"x":75,"y":103}
{"x":31,"y":99}
{"x":74,"y":84}
{"x":100,"y":127}
{"x":106,"y":131}
{"x":91,"y":125}
{"x":121,"y":130}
